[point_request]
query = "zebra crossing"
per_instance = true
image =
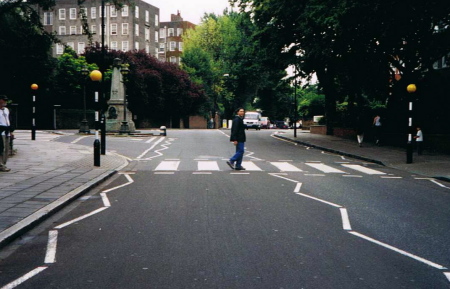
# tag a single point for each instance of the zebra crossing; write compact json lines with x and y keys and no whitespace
{"x":347,"y":169}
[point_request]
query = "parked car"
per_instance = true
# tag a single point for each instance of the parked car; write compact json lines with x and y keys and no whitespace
{"x":281,"y":124}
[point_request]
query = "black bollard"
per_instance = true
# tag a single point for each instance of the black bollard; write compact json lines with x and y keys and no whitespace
{"x":96,"y":153}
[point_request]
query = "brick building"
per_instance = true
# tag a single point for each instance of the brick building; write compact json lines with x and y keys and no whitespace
{"x":170,"y":38}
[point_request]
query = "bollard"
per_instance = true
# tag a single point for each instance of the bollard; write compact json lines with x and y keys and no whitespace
{"x":164,"y":131}
{"x":96,"y":152}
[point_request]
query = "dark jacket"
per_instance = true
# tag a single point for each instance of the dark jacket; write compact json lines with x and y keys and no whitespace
{"x":238,"y":130}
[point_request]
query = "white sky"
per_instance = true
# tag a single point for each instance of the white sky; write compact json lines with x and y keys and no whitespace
{"x":191,"y":10}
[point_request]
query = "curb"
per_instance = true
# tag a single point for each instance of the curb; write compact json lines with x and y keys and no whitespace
{"x":9,"y":234}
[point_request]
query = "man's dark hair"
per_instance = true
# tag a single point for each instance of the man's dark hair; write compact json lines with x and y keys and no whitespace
{"x":237,"y":110}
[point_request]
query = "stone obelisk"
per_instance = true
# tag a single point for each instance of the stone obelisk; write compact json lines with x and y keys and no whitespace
{"x":115,"y":115}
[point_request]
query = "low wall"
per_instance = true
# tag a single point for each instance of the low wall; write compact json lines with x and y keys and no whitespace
{"x":318,"y":129}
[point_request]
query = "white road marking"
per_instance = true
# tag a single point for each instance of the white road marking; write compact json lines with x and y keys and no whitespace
{"x":352,"y":176}
{"x":447,"y":274}
{"x":164,"y":173}
{"x":201,"y":173}
{"x":250,"y":166}
{"x":50,"y":255}
{"x":130,"y":181}
{"x":24,"y":278}
{"x":363,"y":169}
{"x":208,"y":166}
{"x":388,"y":177}
{"x":320,"y":200}
{"x":286,"y":167}
{"x":432,"y":264}
{"x":105,"y":200}
{"x":80,"y":218}
{"x":168,"y":166}
{"x":280,"y":175}
{"x":345,"y":220}
{"x":151,"y":139}
{"x":146,"y":151}
{"x":324,"y":168}
{"x":78,"y":139}
{"x":297,"y":188}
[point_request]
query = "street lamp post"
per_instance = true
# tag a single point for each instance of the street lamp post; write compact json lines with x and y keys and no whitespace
{"x":103,"y":98}
{"x":84,"y":128}
{"x":34,"y":87}
{"x":295,"y":103}
{"x":409,"y":146}
{"x":96,"y":76}
{"x":124,"y":128}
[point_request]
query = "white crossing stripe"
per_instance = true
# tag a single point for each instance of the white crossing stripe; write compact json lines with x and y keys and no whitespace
{"x":250,"y":166}
{"x":168,"y":166}
{"x":362,"y":169}
{"x":286,"y":167}
{"x":208,"y":166}
{"x":325,"y":168}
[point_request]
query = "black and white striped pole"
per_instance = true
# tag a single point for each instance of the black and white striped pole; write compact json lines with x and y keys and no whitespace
{"x":34,"y":87}
{"x":96,"y":76}
{"x":409,"y":145}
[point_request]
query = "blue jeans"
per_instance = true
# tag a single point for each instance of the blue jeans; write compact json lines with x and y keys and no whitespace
{"x":237,"y":158}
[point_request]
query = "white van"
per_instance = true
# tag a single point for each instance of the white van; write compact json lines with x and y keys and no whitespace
{"x":252,"y":119}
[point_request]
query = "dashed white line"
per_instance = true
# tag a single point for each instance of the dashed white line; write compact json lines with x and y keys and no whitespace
{"x":50,"y":255}
{"x":24,"y":278}
{"x":345,"y":219}
{"x":105,"y":200}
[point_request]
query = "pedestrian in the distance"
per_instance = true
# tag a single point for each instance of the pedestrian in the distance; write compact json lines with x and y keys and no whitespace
{"x":377,"y":127}
{"x":238,"y":139}
{"x":5,"y":133}
{"x":419,"y":140}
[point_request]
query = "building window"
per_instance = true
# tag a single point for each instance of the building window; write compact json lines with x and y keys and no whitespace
{"x":71,"y":45}
{"x":113,"y":11}
{"x":136,"y":45}
{"x":124,"y":11}
{"x":81,"y":47}
{"x":102,"y":13}
{"x":124,"y":28}
{"x":173,"y":45}
{"x":62,"y":30}
{"x":94,"y":29}
{"x":156,"y":20}
{"x":173,"y":59}
{"x":136,"y":12}
{"x":48,"y":18}
{"x":125,"y":46}
{"x":147,"y":48}
{"x":156,"y":36}
{"x":179,"y":31}
{"x":147,"y":16}
{"x":136,"y":29}
{"x":147,"y":34}
{"x":73,"y":30}
{"x":162,"y":32}
{"x":83,"y":12}
{"x":59,"y":48}
{"x":171,"y":32}
{"x":113,"y":28}
{"x":93,"y":12}
{"x":73,"y":13}
{"x":62,"y":14}
{"x":180,"y":46}
{"x":162,"y":47}
{"x":114,"y":45}
{"x":81,"y":30}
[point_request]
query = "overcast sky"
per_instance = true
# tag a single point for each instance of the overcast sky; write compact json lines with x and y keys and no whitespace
{"x":191,"y":10}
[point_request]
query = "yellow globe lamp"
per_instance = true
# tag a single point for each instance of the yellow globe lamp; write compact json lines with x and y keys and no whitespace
{"x":411,"y":88}
{"x":34,"y":86}
{"x":95,"y":75}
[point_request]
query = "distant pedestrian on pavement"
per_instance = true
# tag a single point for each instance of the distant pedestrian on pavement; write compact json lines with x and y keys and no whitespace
{"x":238,"y":139}
{"x":5,"y":133}
{"x":377,"y":128}
{"x":419,"y":140}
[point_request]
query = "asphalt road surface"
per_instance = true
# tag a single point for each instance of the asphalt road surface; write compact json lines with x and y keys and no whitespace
{"x":178,"y":217}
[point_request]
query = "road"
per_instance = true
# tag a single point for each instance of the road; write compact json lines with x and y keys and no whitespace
{"x":178,"y":217}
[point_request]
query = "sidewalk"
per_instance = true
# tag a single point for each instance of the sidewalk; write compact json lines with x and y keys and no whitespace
{"x":44,"y":176}
{"x":428,"y":164}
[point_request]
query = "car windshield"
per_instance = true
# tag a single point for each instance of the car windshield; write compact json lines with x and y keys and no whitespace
{"x":251,"y":116}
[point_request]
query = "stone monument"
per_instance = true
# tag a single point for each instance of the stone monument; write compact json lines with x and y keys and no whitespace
{"x":118,"y":117}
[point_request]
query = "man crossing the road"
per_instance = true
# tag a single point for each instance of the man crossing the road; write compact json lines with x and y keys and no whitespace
{"x":238,"y":139}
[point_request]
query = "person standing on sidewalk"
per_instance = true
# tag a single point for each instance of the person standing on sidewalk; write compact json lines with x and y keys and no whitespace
{"x":419,"y":140}
{"x":238,"y":139}
{"x":377,"y":127}
{"x":5,"y":133}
